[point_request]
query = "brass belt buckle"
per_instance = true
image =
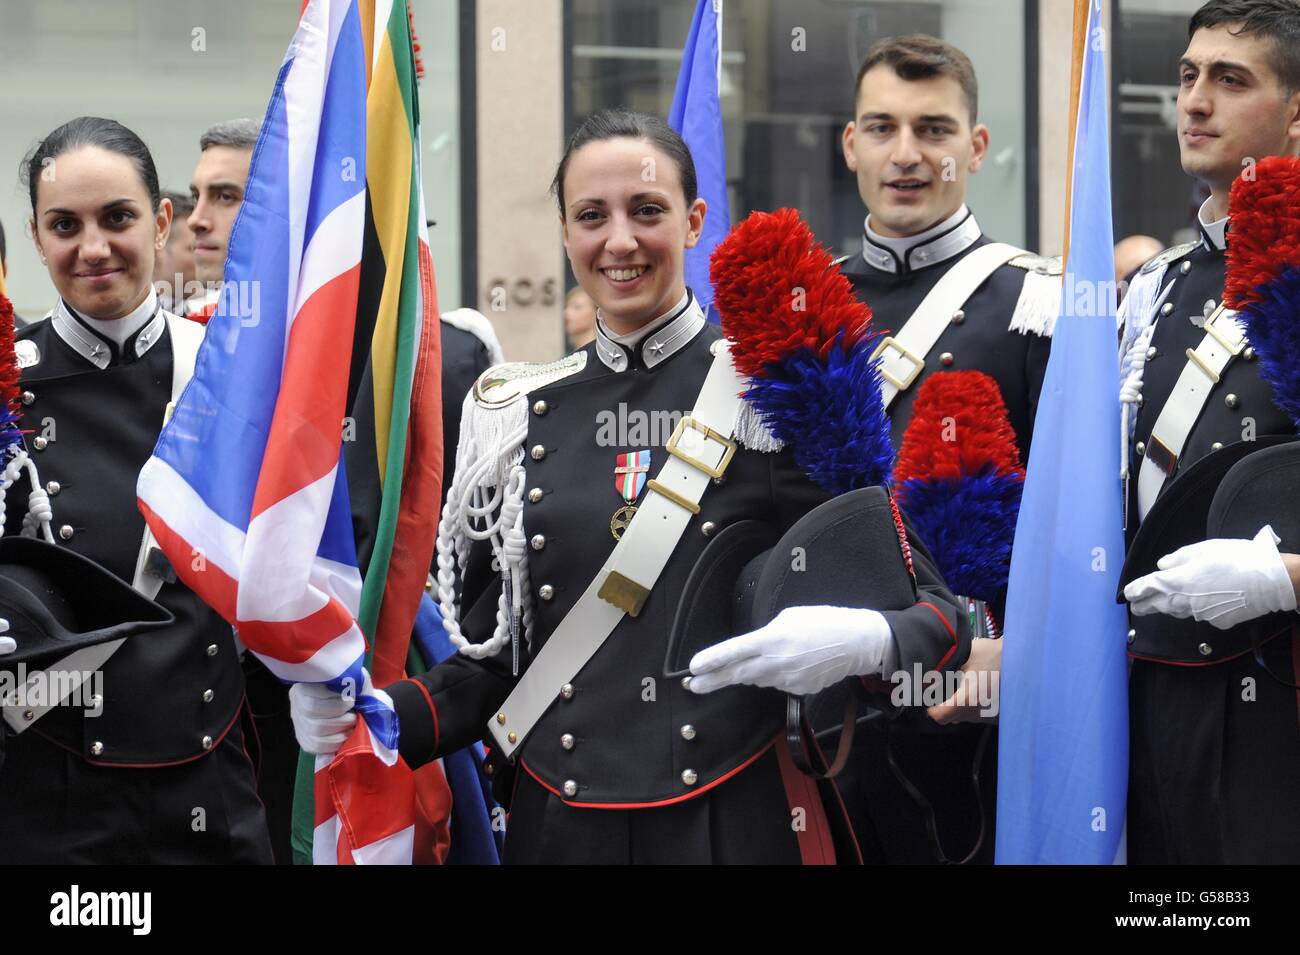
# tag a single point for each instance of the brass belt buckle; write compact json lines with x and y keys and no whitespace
{"x":889,"y":341}
{"x":694,"y":423}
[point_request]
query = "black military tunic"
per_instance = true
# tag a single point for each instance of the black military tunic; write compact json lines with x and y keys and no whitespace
{"x":707,"y":775}
{"x":161,"y":775}
{"x":940,"y":760}
{"x":1214,"y":769}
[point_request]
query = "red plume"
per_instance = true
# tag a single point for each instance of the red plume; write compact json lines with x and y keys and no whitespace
{"x":8,"y":361}
{"x":777,"y":291}
{"x":1265,"y":232}
{"x":959,"y":424}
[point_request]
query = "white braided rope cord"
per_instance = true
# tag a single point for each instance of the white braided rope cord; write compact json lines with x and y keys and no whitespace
{"x":39,"y":513}
{"x":485,"y":502}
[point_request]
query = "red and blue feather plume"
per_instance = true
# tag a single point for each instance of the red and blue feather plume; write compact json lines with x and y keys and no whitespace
{"x":11,"y":438}
{"x":804,"y":342}
{"x":1263,"y":278}
{"x":958,"y":477}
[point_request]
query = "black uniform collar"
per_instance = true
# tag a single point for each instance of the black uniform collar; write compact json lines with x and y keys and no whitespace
{"x":1214,"y":235}
{"x":100,"y":351}
{"x":937,"y":244}
{"x":666,"y":336}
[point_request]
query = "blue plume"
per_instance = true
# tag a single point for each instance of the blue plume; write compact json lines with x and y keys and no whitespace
{"x":1272,"y":324}
{"x":969,"y":526}
{"x":830,"y":413}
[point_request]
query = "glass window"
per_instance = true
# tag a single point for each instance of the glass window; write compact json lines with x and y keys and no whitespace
{"x":168,"y":71}
{"x":787,"y":90}
{"x":1152,"y":196}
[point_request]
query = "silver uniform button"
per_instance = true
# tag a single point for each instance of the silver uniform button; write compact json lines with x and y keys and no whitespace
{"x":688,"y":731}
{"x":690,"y":777}
{"x":40,"y":442}
{"x":546,"y":592}
{"x":567,"y":741}
{"x":1248,"y":354}
{"x":1167,"y":308}
{"x":1205,"y":649}
{"x":538,"y":542}
{"x":1217,"y":446}
{"x":686,"y":683}
{"x":66,"y":532}
{"x":96,"y":748}
{"x":566,"y":691}
{"x":1186,"y":266}
{"x":946,"y":358}
{"x":958,"y":317}
{"x":535,"y":495}
{"x":539,"y":407}
{"x":707,"y":528}
{"x":1231,"y":401}
{"x":1151,"y":352}
{"x":207,"y":742}
{"x":1132,"y":635}
{"x":28,"y":397}
{"x":212,"y":649}
{"x":538,"y":452}
{"x":52,"y":488}
{"x":1140,"y":448}
{"x":208,"y":696}
{"x":570,"y":788}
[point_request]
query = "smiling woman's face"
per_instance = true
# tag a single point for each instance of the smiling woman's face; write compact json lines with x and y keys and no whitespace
{"x":96,"y":231}
{"x":627,"y":226}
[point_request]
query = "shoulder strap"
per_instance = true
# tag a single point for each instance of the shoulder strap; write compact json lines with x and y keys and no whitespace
{"x":902,"y":356}
{"x":186,"y":337}
{"x":699,"y":450}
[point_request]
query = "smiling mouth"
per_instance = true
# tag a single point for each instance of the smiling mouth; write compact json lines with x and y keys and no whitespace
{"x":906,"y":185}
{"x":625,"y":274}
{"x":98,"y":274}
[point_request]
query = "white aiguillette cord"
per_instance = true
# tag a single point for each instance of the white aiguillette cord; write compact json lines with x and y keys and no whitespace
{"x":699,"y":450}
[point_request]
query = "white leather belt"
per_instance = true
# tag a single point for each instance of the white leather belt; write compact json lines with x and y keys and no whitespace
{"x":1223,"y":341}
{"x":699,"y":450}
{"x":902,"y":356}
{"x":186,"y":336}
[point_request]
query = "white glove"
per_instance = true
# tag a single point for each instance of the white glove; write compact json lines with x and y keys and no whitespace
{"x":322,"y":718}
{"x":7,"y":644}
{"x":1221,"y":582}
{"x":803,"y":650}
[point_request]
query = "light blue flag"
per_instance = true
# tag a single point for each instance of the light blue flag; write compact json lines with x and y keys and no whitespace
{"x":1063,"y":731}
{"x":697,"y":115}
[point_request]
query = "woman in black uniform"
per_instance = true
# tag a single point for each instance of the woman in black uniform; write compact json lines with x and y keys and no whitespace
{"x":155,"y":770}
{"x":624,"y":766}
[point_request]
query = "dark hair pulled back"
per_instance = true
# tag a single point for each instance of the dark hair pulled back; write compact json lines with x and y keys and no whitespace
{"x":620,"y":123}
{"x":91,"y":131}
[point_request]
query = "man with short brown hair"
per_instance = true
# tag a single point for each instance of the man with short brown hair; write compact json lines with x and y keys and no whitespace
{"x":920,"y":792}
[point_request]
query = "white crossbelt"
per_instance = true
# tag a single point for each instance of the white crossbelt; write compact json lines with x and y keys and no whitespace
{"x":1223,"y":341}
{"x":902,"y":356}
{"x":76,"y":667}
{"x":699,"y":450}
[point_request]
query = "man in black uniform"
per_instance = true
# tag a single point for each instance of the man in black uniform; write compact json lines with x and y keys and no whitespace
{"x":948,"y":298}
{"x":157,"y":772}
{"x":1215,"y":748}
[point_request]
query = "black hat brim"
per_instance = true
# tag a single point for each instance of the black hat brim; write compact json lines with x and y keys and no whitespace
{"x":56,"y":601}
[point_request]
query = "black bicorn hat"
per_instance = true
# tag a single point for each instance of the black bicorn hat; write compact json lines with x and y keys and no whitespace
{"x":849,"y":552}
{"x":1231,"y":492}
{"x":54,"y":601}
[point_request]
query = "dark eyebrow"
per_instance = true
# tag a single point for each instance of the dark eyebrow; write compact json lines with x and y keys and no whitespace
{"x":639,"y":197}
{"x":224,"y":184}
{"x":867,"y":117}
{"x":938,"y":118}
{"x":1219,"y":66}
{"x":105,"y":208}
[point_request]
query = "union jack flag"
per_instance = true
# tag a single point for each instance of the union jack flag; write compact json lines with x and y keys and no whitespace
{"x":246,"y":491}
